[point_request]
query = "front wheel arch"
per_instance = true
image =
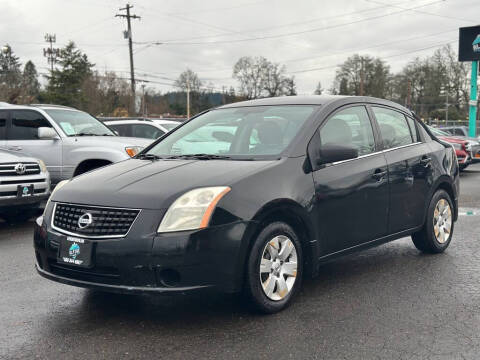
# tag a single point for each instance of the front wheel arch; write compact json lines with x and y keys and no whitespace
{"x":90,"y":164}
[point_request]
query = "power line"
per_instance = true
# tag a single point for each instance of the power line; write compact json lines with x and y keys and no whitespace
{"x":302,"y":32}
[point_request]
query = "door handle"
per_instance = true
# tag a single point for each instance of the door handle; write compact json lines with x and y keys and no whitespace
{"x":425,"y":161}
{"x":379,"y":174}
{"x":15,"y":148}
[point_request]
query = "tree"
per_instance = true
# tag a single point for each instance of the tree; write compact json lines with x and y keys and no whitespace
{"x":318,"y":89}
{"x":250,"y":73}
{"x":358,"y":71}
{"x":65,"y":84}
{"x":290,"y":86}
{"x":188,"y":78}
{"x":30,"y":84}
{"x":10,"y":75}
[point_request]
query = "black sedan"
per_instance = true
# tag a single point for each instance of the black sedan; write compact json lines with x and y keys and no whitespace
{"x":279,"y":186}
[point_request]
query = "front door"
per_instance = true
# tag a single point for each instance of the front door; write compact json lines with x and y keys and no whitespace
{"x":351,"y":196}
{"x":23,"y":137}
{"x":409,"y":168}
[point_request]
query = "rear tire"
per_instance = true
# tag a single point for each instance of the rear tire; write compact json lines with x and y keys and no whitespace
{"x":274,"y":268}
{"x":437,"y":232}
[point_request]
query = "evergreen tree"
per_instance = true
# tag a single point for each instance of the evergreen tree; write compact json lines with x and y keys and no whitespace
{"x":10,"y":75}
{"x":65,"y":85}
{"x":30,"y":84}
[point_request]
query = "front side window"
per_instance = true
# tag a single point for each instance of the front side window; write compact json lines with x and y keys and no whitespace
{"x":3,"y":124}
{"x":349,"y":127}
{"x":78,"y":123}
{"x":393,"y":127}
{"x":237,"y":132}
{"x":25,"y":124}
{"x":121,"y":129}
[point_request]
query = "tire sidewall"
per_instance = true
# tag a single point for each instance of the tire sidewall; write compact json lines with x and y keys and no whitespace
{"x":440,"y":194}
{"x":254,"y":286}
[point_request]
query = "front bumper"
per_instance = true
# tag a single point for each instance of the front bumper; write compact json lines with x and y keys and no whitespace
{"x":147,"y":262}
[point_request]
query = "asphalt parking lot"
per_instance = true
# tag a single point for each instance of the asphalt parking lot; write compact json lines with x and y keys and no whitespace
{"x":390,"y":302}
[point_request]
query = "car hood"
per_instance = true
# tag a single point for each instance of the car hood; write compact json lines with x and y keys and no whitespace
{"x":145,"y":184}
{"x":119,"y":141}
{"x":7,"y":156}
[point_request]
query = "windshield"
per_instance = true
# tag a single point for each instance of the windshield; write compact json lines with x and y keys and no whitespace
{"x":248,"y":132}
{"x":438,"y":132}
{"x":78,"y":123}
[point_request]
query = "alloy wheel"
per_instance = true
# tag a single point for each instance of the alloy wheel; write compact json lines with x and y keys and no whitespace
{"x":442,"y":221}
{"x":278,"y":267}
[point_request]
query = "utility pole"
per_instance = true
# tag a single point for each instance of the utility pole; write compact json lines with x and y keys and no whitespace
{"x":128,"y":34}
{"x":144,"y":107}
{"x":50,"y":53}
{"x":409,"y":94}
{"x":446,"y":109}
{"x":188,"y":96}
{"x":362,"y":76}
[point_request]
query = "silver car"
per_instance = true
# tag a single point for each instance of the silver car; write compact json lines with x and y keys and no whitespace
{"x":69,"y":141}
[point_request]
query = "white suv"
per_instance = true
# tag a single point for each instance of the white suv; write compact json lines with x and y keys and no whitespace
{"x":69,"y":141}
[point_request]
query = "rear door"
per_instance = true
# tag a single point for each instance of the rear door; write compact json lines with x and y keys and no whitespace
{"x":3,"y":126}
{"x":351,"y":197}
{"x":409,"y":167}
{"x":23,"y":137}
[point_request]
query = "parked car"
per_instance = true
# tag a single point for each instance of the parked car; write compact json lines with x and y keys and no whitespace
{"x":461,"y":132}
{"x":24,"y":184}
{"x":324,"y":176}
{"x":69,"y":141}
{"x":142,"y":128}
{"x":461,"y":146}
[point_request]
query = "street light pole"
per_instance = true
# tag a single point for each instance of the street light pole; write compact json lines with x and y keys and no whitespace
{"x":472,"y":116}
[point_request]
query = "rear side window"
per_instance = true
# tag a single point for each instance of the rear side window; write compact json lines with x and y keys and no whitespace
{"x":413,"y":129}
{"x":146,"y":131}
{"x":3,"y":125}
{"x":393,"y":127}
{"x":349,"y":127}
{"x":458,"y":132}
{"x":122,"y":130}
{"x":25,"y":125}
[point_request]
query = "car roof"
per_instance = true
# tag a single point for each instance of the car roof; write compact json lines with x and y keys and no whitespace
{"x":313,"y":100}
{"x":5,"y":105}
{"x":128,"y":121}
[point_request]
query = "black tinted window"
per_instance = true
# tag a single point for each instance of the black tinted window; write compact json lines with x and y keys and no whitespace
{"x":146,"y":131}
{"x":3,"y":124}
{"x":25,"y":125}
{"x":393,"y":127}
{"x":121,"y":130}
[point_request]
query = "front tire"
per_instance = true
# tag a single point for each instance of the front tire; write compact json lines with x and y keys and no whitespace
{"x":274,"y":268}
{"x":437,"y":232}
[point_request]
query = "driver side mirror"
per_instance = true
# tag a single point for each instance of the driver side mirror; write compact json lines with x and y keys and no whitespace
{"x":46,"y":133}
{"x":332,"y":153}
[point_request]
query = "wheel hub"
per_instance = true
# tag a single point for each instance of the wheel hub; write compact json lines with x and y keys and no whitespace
{"x":442,"y":221}
{"x":278,"y":267}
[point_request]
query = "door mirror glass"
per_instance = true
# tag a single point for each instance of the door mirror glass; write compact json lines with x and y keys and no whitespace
{"x":45,"y":133}
{"x":333,"y":152}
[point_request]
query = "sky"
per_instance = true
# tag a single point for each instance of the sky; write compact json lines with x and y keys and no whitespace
{"x":310,"y":37}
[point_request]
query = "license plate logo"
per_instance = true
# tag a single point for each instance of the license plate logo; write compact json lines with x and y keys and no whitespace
{"x":74,"y":251}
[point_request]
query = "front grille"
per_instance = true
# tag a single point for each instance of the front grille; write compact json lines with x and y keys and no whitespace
{"x":22,"y":181}
{"x":106,"y":222}
{"x":8,"y":169}
{"x":14,"y":193}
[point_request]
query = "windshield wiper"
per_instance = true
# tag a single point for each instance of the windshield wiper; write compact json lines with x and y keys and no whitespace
{"x":85,"y":134}
{"x":200,"y":157}
{"x":148,"y":157}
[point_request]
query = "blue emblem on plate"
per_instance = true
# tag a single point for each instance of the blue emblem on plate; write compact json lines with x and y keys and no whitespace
{"x":74,"y":251}
{"x":25,"y":190}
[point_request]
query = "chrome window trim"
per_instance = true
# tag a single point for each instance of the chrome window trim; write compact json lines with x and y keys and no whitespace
{"x":376,"y":152}
{"x":65,"y":232}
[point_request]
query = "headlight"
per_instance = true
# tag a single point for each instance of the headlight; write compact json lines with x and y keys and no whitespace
{"x":59,"y":185}
{"x":457,"y":146}
{"x":43,"y":167}
{"x":133,"y":150}
{"x":193,"y":209}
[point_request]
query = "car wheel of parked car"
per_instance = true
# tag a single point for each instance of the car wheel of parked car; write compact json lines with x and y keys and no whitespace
{"x":437,"y":231}
{"x":274,"y":268}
